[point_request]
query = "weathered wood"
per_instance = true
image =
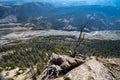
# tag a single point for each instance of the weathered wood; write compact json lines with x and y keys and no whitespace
{"x":80,"y":40}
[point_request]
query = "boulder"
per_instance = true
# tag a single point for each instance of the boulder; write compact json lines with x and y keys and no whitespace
{"x":91,"y":70}
{"x":78,"y":68}
{"x":59,"y":65}
{"x":64,"y":61}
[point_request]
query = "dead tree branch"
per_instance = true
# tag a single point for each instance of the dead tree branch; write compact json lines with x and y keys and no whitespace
{"x":80,"y":40}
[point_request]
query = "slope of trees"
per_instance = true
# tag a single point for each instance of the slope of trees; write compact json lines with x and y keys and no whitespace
{"x":37,"y":51}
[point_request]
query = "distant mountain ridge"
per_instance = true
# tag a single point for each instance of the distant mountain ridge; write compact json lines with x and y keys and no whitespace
{"x":96,"y":17}
{"x":24,"y":11}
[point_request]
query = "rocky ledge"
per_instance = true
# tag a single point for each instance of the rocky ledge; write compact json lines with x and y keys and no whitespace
{"x":64,"y":67}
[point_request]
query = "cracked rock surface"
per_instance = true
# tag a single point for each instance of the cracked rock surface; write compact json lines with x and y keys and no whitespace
{"x":78,"y":69}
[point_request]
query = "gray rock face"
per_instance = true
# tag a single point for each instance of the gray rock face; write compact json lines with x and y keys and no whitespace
{"x":64,"y":61}
{"x":91,"y":70}
{"x":59,"y":64}
{"x":77,"y":69}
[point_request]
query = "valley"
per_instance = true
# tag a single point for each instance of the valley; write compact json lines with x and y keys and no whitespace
{"x":53,"y":41}
{"x":29,"y":34}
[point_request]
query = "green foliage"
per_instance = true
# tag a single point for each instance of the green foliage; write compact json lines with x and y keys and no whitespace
{"x":23,"y":68}
{"x":39,"y":68}
{"x":39,"y":50}
{"x":101,"y":48}
{"x":1,"y":69}
{"x":10,"y":79}
{"x":16,"y":41}
{"x":59,"y":48}
{"x":10,"y":64}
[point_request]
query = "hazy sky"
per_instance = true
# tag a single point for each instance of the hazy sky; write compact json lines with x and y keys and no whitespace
{"x":91,"y":1}
{"x":111,"y":2}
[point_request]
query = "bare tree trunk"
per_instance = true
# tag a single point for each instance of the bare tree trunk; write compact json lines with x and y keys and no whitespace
{"x":80,"y":40}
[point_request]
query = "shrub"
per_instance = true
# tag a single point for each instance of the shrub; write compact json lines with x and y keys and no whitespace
{"x":39,"y":68}
{"x":10,"y":79}
{"x":1,"y":69}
